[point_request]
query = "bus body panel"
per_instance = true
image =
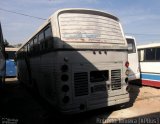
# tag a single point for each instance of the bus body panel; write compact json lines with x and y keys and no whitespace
{"x":83,"y":62}
{"x":150,"y":74}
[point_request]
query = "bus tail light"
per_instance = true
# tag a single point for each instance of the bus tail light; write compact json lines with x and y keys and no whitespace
{"x":64,"y":68}
{"x":65,"y":88}
{"x":64,"y":77}
{"x":66,"y":59}
{"x":65,"y":99}
{"x":127,"y":64}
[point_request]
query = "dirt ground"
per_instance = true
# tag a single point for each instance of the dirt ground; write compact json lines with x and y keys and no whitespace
{"x":19,"y":105}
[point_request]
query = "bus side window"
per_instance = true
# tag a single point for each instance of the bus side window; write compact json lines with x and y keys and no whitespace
{"x":41,"y":40}
{"x":31,"y":46}
{"x":141,"y":55}
{"x":23,"y":52}
{"x":36,"y":45}
{"x":28,"y":49}
{"x":157,"y":54}
{"x":48,"y":38}
{"x":150,"y":54}
{"x":25,"y":49}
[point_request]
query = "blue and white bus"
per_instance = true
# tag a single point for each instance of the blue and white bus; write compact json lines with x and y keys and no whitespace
{"x":149,"y":57}
{"x":10,"y":63}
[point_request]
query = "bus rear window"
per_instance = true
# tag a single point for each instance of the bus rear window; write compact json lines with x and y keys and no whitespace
{"x":82,"y":27}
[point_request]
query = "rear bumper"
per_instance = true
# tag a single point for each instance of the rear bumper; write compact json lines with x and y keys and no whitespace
{"x":94,"y":103}
{"x":114,"y":100}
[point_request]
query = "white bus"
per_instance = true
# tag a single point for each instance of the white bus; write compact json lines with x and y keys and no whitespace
{"x":149,"y":57}
{"x":134,"y":73}
{"x":77,"y":60}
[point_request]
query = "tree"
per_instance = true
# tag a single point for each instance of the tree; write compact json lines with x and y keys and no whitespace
{"x":6,"y":43}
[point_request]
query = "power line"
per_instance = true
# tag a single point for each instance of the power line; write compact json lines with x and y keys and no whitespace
{"x":142,"y":34}
{"x":22,"y":14}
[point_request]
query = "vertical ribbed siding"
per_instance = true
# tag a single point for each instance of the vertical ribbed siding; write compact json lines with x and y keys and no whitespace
{"x":116,"y":79}
{"x":81,"y":83}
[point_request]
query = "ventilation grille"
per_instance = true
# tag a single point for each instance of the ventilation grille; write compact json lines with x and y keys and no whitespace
{"x":81,"y":83}
{"x":116,"y":79}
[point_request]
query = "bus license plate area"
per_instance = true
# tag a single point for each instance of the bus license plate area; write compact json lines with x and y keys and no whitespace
{"x":99,"y":76}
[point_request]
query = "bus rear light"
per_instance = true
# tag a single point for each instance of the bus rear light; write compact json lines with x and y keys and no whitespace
{"x":66,"y":59}
{"x":64,"y":68}
{"x":127,"y":64}
{"x":64,"y":77}
{"x":65,"y":99}
{"x":65,"y":88}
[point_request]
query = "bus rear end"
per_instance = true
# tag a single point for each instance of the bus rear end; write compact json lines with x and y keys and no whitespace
{"x":92,"y":61}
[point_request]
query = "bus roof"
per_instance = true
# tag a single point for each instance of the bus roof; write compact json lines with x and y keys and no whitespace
{"x":11,"y":49}
{"x":72,"y":10}
{"x":151,"y":45}
{"x":129,"y":37}
{"x":84,"y":10}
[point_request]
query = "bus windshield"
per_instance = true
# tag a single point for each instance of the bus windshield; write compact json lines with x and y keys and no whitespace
{"x":80,"y":27}
{"x":131,"y":46}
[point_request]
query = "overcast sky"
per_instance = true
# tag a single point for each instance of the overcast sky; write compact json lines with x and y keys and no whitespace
{"x":141,"y":18}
